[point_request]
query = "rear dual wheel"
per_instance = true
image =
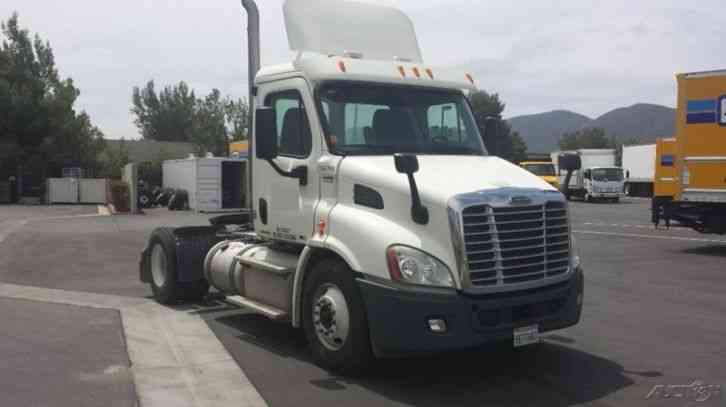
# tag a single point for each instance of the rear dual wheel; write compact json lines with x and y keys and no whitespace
{"x":163,"y":271}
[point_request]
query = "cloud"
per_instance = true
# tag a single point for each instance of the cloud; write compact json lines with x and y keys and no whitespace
{"x":584,"y":56}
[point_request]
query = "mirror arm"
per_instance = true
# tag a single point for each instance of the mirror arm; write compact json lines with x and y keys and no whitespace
{"x":419,"y":213}
{"x":300,"y":172}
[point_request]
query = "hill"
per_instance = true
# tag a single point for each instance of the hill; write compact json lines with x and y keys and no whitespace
{"x":542,"y":131}
{"x":643,"y":122}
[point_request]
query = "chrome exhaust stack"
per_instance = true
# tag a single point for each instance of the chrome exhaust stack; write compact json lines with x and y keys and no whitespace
{"x":253,"y":66}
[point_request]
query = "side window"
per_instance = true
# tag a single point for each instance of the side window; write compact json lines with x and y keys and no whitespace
{"x":294,"y":138}
{"x":667,"y":160}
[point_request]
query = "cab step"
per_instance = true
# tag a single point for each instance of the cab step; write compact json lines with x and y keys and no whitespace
{"x":264,"y":309}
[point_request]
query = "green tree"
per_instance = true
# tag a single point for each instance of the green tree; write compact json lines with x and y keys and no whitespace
{"x":167,"y":115}
{"x":237,"y":119}
{"x":210,"y":131}
{"x":592,"y":137}
{"x":114,"y":160}
{"x":176,"y":114}
{"x":499,"y":138}
{"x":38,"y":122}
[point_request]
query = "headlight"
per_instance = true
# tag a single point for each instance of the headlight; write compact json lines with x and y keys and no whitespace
{"x":408,"y":265}
{"x":574,"y":255}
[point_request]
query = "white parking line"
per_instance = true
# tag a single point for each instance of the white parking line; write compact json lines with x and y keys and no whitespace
{"x":641,"y":236}
{"x":176,"y":360}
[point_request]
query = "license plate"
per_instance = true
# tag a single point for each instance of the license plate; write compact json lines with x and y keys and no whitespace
{"x":526,"y":335}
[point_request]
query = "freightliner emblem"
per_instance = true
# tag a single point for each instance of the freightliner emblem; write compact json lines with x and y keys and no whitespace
{"x":519,"y":200}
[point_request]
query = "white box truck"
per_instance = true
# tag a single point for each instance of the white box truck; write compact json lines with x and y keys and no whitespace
{"x":598,"y":179}
{"x":214,"y":184}
{"x":639,"y":169}
{"x":370,"y":230}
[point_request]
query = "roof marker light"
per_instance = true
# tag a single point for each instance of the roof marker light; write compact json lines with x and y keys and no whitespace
{"x":470,"y":78}
{"x":430,"y":73}
{"x":341,"y":66}
{"x":402,"y":71}
{"x":416,"y":72}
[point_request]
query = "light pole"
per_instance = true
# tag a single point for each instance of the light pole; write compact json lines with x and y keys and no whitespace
{"x":444,"y":109}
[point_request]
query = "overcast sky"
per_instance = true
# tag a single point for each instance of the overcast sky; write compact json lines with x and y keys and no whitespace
{"x":588,"y":57}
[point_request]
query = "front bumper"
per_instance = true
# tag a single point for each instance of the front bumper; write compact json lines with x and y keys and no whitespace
{"x":398,"y":318}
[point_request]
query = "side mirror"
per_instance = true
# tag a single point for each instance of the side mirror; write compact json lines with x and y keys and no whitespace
{"x":406,"y":163}
{"x":569,"y":162}
{"x":265,"y":133}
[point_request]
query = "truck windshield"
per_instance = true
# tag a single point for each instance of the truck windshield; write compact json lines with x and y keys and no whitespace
{"x":542,"y":170}
{"x":607,"y":174}
{"x":374,"y":119}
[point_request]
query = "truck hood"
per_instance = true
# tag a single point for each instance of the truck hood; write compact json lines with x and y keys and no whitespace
{"x":441,"y":176}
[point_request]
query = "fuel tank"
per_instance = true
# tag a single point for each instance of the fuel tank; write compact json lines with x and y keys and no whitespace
{"x":251,"y":270}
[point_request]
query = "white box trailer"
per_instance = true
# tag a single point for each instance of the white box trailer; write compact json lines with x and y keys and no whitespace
{"x":92,"y":190}
{"x":62,"y":190}
{"x":214,"y":184}
{"x":76,"y":190}
{"x":639,"y":167}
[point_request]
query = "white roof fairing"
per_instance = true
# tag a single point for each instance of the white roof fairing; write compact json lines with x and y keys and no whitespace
{"x":336,"y":27}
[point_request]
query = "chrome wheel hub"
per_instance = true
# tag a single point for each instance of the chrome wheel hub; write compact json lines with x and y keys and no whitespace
{"x":331,"y":319}
{"x":158,"y":265}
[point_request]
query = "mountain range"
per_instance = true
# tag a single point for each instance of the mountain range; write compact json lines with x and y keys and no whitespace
{"x":642,"y":122}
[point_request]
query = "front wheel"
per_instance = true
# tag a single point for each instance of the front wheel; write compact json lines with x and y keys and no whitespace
{"x":334,"y":318}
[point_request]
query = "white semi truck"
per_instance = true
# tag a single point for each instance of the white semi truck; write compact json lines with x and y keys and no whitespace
{"x":639,"y":168}
{"x":377,"y":226}
{"x":598,"y":179}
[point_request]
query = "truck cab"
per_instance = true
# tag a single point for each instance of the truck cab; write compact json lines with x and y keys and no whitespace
{"x":598,"y":178}
{"x":603,"y":183}
{"x":379,"y":223}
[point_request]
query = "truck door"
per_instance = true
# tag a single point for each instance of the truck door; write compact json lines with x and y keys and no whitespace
{"x":285,"y":207}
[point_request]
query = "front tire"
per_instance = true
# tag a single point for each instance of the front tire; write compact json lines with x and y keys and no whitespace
{"x":334,"y":319}
{"x":163,"y":271}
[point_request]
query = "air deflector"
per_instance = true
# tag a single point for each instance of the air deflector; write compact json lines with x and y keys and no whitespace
{"x":336,"y":27}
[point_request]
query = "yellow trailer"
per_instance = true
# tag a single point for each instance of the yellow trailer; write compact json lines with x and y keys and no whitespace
{"x":699,"y":192}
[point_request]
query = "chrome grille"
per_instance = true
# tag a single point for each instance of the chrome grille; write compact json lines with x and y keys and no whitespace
{"x":510,"y":245}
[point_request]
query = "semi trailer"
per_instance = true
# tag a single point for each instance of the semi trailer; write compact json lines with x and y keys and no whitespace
{"x":699,"y":158}
{"x":370,"y":229}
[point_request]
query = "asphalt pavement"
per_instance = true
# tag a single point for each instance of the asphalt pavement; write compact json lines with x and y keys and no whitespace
{"x":60,"y":355}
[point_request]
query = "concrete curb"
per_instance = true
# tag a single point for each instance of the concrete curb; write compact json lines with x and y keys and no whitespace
{"x":176,"y":360}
